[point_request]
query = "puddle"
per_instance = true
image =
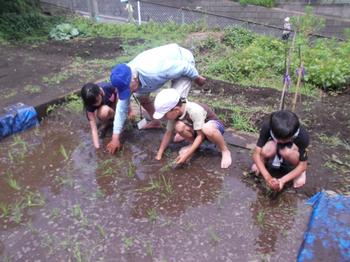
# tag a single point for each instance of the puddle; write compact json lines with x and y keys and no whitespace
{"x":61,"y":200}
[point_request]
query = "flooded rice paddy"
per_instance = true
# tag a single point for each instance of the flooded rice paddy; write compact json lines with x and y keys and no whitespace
{"x":61,"y":200}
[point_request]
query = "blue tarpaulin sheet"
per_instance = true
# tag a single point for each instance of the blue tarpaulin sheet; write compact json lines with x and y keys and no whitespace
{"x":328,"y":235}
{"x":17,"y":118}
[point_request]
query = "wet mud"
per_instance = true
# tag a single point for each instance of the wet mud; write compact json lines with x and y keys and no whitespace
{"x":70,"y":202}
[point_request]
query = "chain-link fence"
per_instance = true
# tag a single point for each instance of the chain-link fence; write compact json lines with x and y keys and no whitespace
{"x":145,"y":11}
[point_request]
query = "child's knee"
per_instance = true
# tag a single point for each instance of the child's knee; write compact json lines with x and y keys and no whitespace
{"x":183,"y":129}
{"x":104,"y":113}
{"x":269,"y":150}
{"x":209,"y":130}
{"x":290,"y":155}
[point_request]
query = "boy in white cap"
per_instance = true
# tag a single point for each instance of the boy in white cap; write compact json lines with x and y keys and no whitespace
{"x":286,"y":29}
{"x":193,"y":121}
{"x":146,"y":73}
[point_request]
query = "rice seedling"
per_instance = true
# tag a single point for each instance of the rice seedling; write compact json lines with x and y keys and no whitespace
{"x":108,"y":172}
{"x":261,"y":217}
{"x":131,"y":170}
{"x":79,"y":214}
{"x":149,"y":249}
{"x":17,"y":140}
{"x":128,"y":242}
{"x":64,"y":153}
{"x":16,"y":214}
{"x":77,"y":253}
{"x":13,"y":183}
{"x":152,"y":185}
{"x":152,"y":215}
{"x":34,"y":199}
{"x":62,"y":180}
{"x":167,"y":186}
{"x":213,"y":235}
{"x":5,"y":210}
{"x":55,"y":213}
{"x":101,"y":230}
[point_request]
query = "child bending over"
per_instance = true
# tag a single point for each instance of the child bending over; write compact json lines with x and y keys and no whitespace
{"x":282,"y":139}
{"x":193,"y":121}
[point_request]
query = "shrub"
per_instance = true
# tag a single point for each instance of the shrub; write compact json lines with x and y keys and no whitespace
{"x":17,"y":26}
{"x":265,"y":3}
{"x":237,"y":37}
{"x":64,"y":31}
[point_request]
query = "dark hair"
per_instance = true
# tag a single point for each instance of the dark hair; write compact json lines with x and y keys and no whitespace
{"x":284,"y":124}
{"x":89,"y":94}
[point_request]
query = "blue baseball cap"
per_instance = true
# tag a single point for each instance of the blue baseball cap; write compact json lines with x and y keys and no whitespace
{"x":120,"y":78}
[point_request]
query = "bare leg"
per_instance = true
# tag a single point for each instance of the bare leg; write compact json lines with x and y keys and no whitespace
{"x":147,"y":104}
{"x":291,"y":155}
{"x":213,"y":134}
{"x":268,"y":152}
{"x":300,"y":180}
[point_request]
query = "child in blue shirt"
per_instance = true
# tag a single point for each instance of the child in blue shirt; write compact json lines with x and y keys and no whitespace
{"x":99,"y":101}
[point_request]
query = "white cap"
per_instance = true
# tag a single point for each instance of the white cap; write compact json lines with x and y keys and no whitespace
{"x":286,"y":19}
{"x":165,"y":101}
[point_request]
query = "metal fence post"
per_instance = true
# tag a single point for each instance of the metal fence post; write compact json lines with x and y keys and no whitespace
{"x":93,"y":6}
{"x":139,"y":12}
{"x":182,"y":16}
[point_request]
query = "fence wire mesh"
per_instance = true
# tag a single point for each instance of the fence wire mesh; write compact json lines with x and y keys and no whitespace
{"x":161,"y":13}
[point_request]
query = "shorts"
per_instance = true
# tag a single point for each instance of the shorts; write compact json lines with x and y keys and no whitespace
{"x":218,"y":125}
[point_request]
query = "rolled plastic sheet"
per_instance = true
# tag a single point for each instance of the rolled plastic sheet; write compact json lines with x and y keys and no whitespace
{"x":17,"y":118}
{"x":328,"y":235}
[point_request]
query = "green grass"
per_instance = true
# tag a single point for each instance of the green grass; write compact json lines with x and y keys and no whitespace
{"x":152,"y":215}
{"x":74,"y":104}
{"x":33,"y":89}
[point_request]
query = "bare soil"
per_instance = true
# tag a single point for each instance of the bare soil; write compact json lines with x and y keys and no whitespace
{"x":74,"y":203}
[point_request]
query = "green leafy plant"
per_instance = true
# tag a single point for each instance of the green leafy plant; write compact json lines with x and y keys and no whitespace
{"x":265,"y":3}
{"x":237,"y":37}
{"x":64,"y":31}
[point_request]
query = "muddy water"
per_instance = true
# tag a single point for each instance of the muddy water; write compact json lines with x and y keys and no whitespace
{"x":60,"y":200}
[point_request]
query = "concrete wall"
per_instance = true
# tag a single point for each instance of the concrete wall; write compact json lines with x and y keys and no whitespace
{"x":340,"y":9}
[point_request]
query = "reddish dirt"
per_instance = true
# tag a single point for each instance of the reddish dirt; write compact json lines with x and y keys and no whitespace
{"x":25,"y":64}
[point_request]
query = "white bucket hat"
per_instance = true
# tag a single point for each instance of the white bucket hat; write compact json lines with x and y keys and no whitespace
{"x":287,"y":19}
{"x":165,"y":101}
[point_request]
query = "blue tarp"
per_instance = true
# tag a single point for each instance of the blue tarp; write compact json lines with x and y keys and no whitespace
{"x":328,"y":235}
{"x":17,"y":118}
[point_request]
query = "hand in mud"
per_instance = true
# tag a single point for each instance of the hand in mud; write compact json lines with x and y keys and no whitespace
{"x":281,"y":184}
{"x":158,"y":156}
{"x":273,"y":183}
{"x":181,"y":159}
{"x":200,"y":80}
{"x":113,"y":146}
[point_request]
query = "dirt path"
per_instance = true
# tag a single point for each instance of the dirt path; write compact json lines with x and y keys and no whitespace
{"x":35,"y":74}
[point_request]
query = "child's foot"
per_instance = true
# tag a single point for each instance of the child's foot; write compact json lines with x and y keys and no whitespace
{"x":178,"y":138}
{"x":226,"y":159}
{"x":300,"y":180}
{"x":153,"y":124}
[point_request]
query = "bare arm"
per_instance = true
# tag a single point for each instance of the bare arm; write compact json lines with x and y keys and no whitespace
{"x":297,"y":171}
{"x":196,"y":143}
{"x":94,"y":132}
{"x":260,"y":163}
{"x":163,"y":145}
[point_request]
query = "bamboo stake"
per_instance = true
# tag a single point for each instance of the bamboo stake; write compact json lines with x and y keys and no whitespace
{"x":284,"y":90}
{"x":300,"y":73}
